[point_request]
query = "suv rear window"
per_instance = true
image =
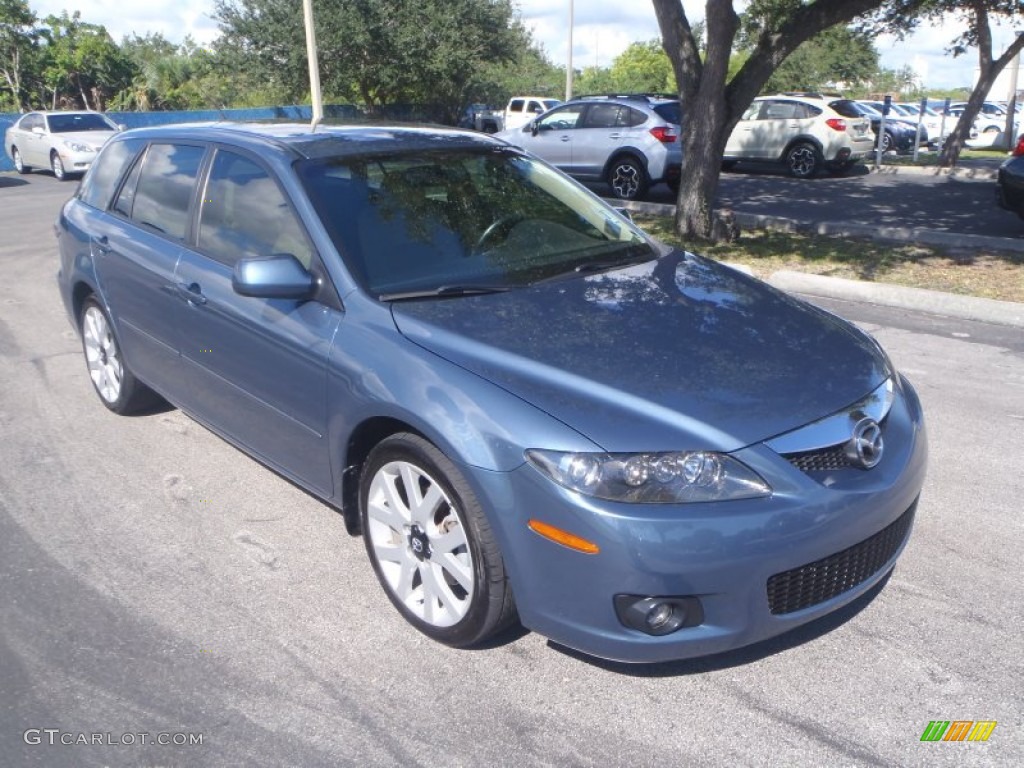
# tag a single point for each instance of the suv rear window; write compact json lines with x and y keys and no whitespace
{"x":669,"y":112}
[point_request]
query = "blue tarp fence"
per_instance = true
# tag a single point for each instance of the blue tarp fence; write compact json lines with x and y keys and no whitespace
{"x":301,"y":113}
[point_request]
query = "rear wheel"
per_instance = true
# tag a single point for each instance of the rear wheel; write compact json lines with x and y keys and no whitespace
{"x":627,"y":178}
{"x":888,"y":142}
{"x":803,"y":160}
{"x":115,"y":384}
{"x":19,"y":164}
{"x":430,"y":544}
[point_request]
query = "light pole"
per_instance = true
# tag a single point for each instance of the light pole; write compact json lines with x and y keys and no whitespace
{"x":1011,"y":102}
{"x":314,"y":65}
{"x":568,"y":68}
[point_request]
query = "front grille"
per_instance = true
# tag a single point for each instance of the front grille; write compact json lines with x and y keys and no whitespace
{"x":823,"y":579}
{"x":822,"y":460}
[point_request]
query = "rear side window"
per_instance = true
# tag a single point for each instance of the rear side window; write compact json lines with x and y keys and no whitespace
{"x":164,"y":192}
{"x":101,"y":180}
{"x":669,"y":112}
{"x":602,"y":116}
{"x":246,"y":214}
{"x":516,"y":105}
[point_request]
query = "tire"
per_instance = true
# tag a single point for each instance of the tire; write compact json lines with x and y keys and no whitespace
{"x":888,"y":142}
{"x":116,"y":386}
{"x":413,"y":500}
{"x":19,"y":165}
{"x":57,"y":166}
{"x":627,"y":178}
{"x":803,"y":160}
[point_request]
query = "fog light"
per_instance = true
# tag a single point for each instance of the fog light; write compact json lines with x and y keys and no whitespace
{"x":658,"y":615}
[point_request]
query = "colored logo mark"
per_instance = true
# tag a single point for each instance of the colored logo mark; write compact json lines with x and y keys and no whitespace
{"x":958,"y":730}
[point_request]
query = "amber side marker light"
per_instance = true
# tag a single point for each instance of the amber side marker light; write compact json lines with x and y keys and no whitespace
{"x":564,"y":538}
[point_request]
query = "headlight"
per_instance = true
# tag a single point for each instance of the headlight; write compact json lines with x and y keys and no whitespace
{"x":75,"y":146}
{"x":652,"y":478}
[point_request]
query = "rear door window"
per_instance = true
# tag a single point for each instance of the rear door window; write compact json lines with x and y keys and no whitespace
{"x":99,"y":183}
{"x":162,"y":199}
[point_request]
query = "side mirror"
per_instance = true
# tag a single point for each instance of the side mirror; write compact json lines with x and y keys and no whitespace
{"x":122,"y":127}
{"x":280,"y":276}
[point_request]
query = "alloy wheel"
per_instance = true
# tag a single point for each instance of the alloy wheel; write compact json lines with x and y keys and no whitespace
{"x":102,"y":355}
{"x":420,"y":543}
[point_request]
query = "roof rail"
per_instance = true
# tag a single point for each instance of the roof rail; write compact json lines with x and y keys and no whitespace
{"x":629,"y":96}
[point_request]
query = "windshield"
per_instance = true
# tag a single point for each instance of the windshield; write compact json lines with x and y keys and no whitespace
{"x":72,"y":123}
{"x":451,"y":221}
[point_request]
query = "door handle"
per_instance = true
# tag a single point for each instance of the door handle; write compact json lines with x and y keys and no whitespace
{"x":614,"y":135}
{"x":192,"y":293}
{"x":101,"y":244}
{"x":564,"y":138}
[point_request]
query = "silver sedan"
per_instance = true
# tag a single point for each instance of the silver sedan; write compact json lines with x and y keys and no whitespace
{"x":64,"y":142}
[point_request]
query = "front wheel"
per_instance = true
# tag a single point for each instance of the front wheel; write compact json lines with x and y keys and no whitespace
{"x":628,"y":179}
{"x":19,"y":164}
{"x":431,"y":545}
{"x":58,"y":167}
{"x":115,"y":384}
{"x":803,"y":160}
{"x":888,"y":142}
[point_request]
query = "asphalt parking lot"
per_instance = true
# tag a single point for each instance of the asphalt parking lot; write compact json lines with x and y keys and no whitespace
{"x":956,"y":204}
{"x":154,"y":580}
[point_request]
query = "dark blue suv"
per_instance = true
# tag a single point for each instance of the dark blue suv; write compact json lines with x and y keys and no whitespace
{"x":529,"y":409}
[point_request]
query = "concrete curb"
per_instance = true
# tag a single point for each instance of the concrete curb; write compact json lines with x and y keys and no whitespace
{"x":959,"y":172}
{"x":920,"y":235}
{"x":936,"y":302}
{"x":1007,"y":313}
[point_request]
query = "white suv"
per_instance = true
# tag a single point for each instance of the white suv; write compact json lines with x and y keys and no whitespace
{"x":802,"y":132}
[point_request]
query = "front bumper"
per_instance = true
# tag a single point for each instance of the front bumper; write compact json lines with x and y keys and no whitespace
{"x":724,"y":554}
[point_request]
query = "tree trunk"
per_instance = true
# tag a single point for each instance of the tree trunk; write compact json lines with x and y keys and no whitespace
{"x":989,"y":70}
{"x":710,"y":107}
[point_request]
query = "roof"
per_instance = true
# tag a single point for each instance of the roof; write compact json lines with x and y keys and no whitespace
{"x":326,"y":140}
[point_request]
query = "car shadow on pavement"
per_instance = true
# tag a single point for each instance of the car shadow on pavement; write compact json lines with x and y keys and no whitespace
{"x":741,"y":656}
{"x":11,"y":181}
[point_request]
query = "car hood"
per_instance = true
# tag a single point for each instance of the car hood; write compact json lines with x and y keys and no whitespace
{"x":675,"y":354}
{"x":94,"y":139}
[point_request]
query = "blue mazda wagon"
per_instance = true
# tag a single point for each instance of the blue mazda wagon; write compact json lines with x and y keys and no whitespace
{"x":530,"y":410}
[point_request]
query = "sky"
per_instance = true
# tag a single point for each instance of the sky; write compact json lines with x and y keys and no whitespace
{"x":602,"y":29}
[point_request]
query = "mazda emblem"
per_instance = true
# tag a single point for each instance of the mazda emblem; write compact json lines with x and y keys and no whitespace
{"x":865,"y":448}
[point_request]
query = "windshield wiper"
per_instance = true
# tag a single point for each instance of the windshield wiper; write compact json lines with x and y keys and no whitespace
{"x":444,"y":291}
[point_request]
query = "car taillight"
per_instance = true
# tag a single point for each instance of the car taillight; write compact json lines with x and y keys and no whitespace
{"x":836,"y":123}
{"x":1019,"y":149}
{"x":666,"y":134}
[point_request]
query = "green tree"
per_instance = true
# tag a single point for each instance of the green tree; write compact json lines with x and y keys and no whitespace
{"x":18,"y":41}
{"x":643,"y":68}
{"x":83,"y":65}
{"x":839,"y":57}
{"x":377,"y":51}
{"x":713,"y":100}
{"x":975,"y":19}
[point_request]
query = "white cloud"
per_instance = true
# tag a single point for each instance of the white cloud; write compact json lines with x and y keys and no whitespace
{"x":173,"y":18}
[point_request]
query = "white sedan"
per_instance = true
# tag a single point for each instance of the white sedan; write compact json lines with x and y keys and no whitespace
{"x":64,"y":142}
